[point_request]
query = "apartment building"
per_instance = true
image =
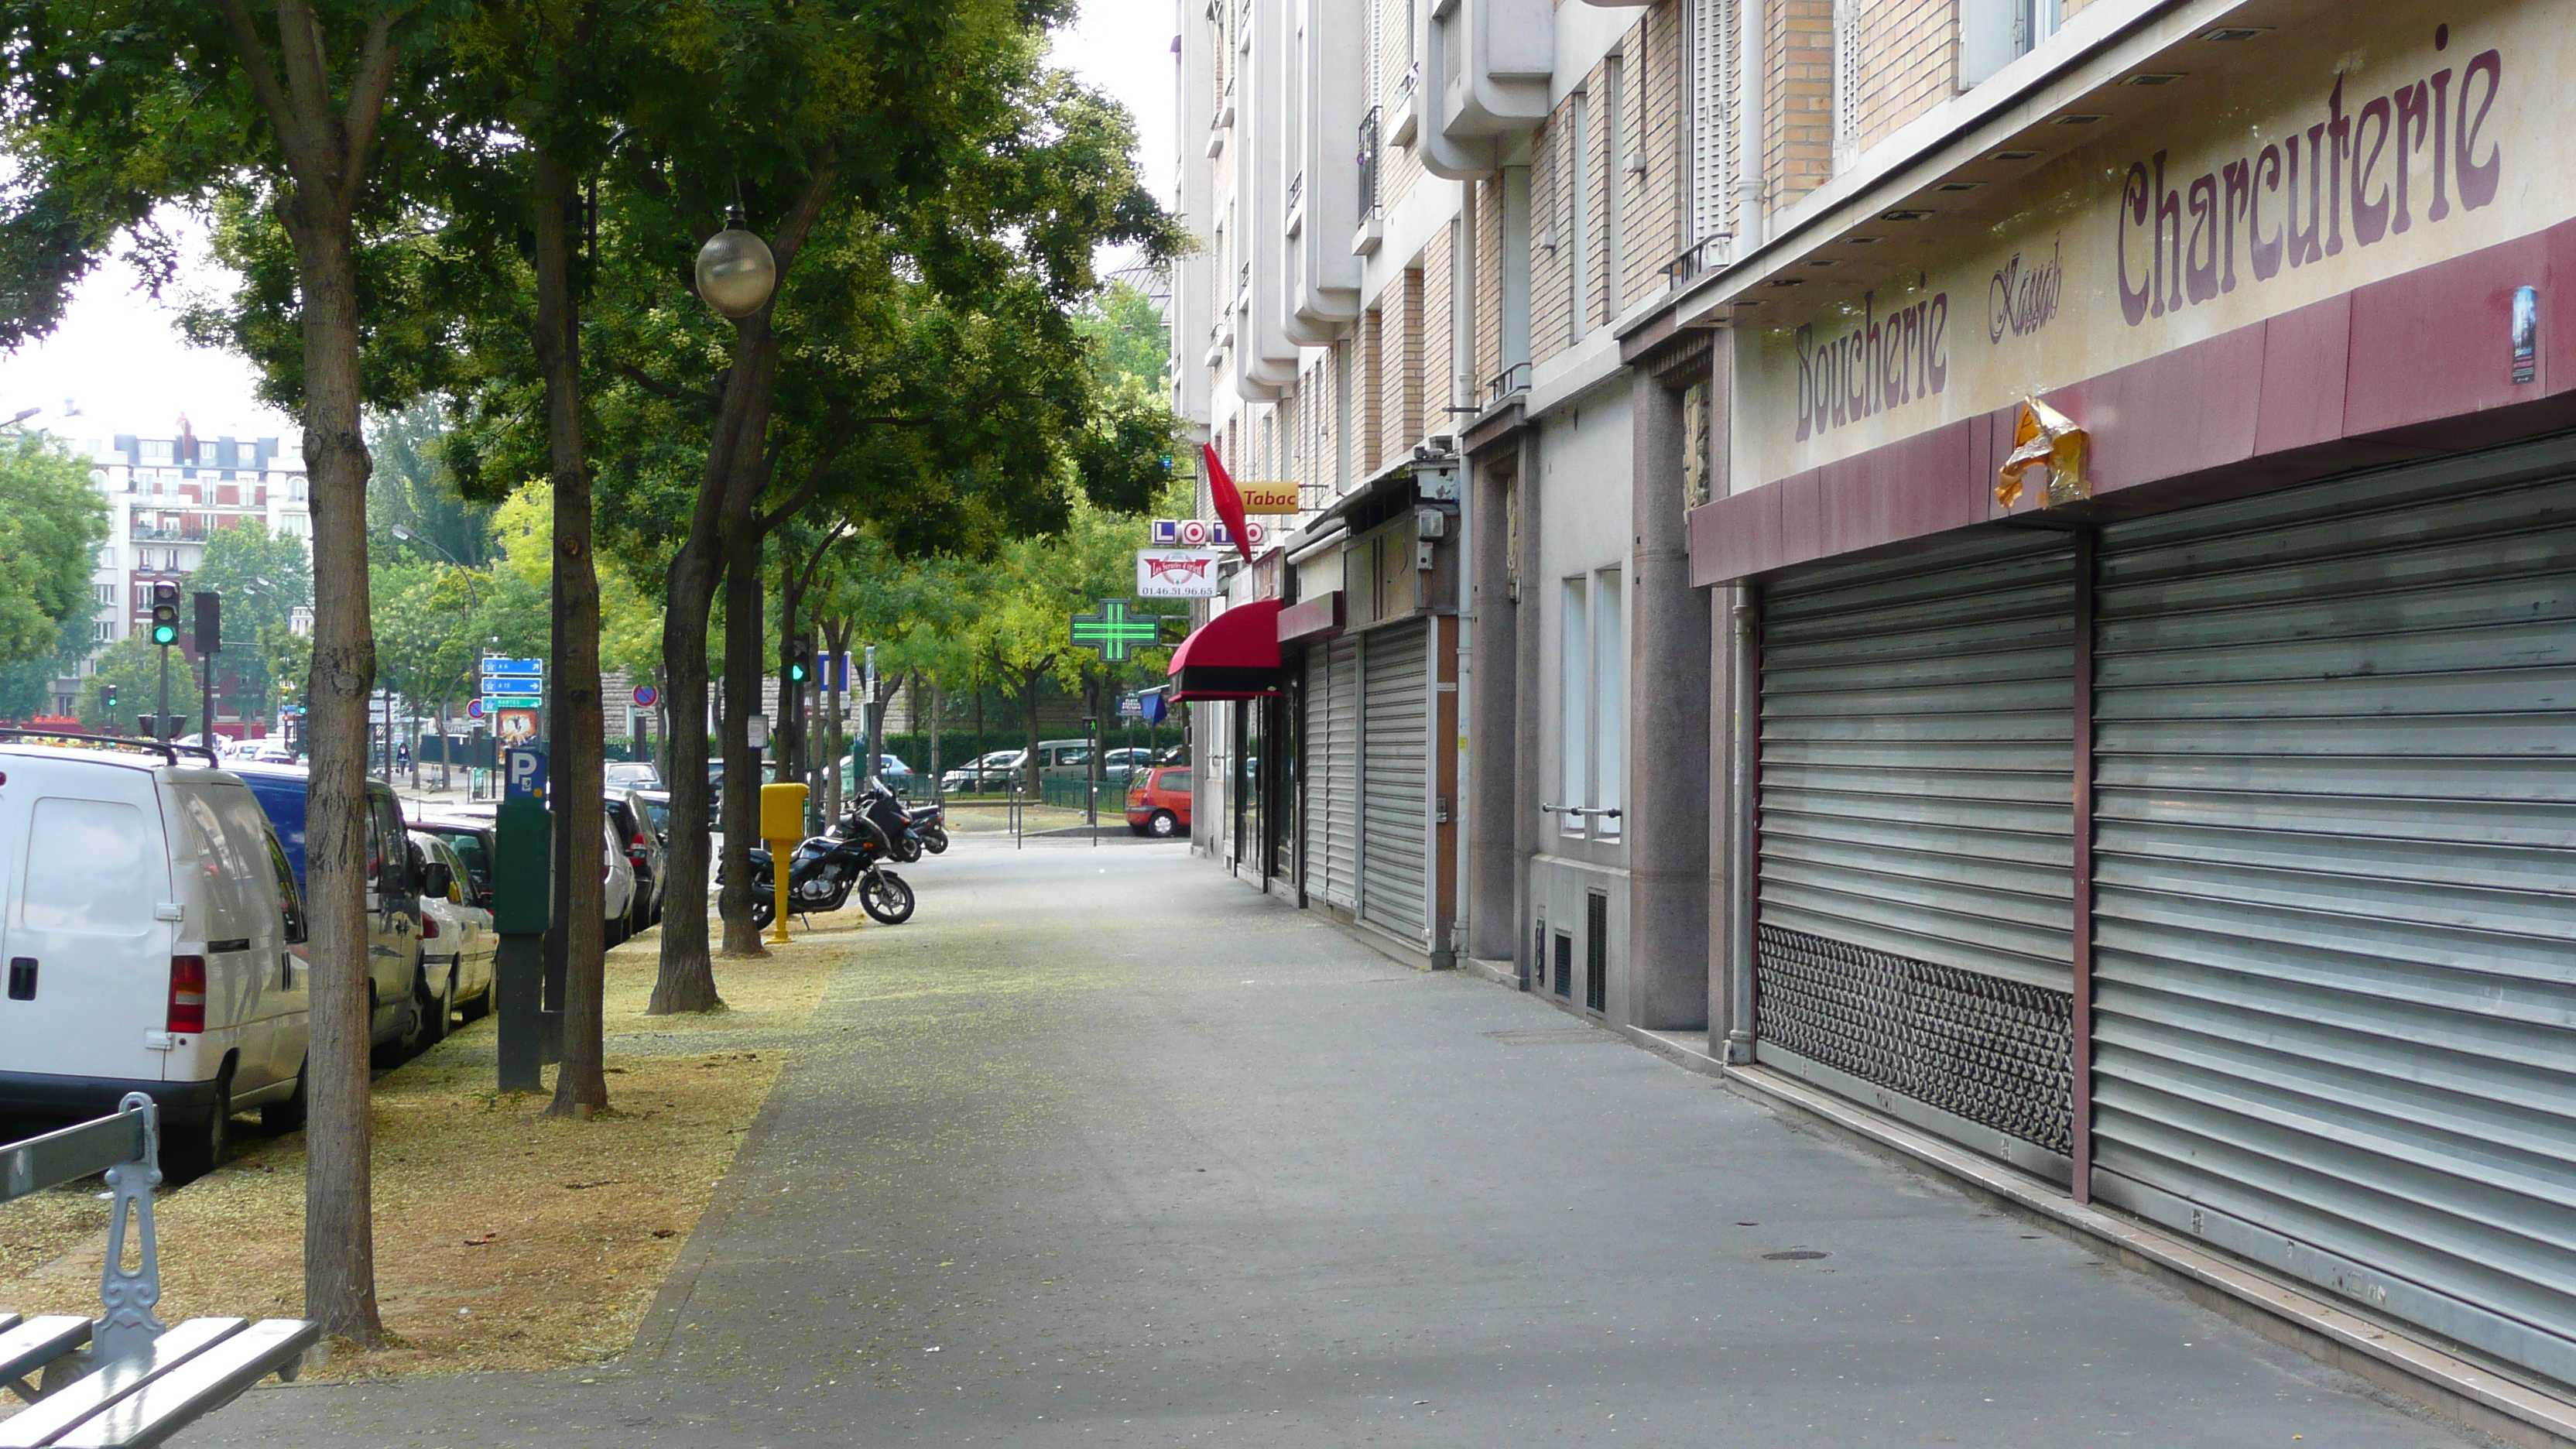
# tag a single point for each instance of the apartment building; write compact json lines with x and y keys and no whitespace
{"x":166,"y":497}
{"x":2007,"y":560}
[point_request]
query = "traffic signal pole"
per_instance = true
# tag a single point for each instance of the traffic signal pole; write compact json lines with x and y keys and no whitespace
{"x":161,"y":722}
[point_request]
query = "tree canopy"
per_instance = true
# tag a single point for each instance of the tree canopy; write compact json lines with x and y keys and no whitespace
{"x":52,"y":520}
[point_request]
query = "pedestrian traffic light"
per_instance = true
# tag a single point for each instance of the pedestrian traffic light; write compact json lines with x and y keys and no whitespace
{"x":165,"y":614}
{"x":800,"y":661}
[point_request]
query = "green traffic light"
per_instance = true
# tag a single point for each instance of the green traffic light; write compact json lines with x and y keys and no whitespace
{"x":165,"y":634}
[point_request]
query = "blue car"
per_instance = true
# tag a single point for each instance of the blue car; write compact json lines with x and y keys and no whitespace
{"x":401,"y":998}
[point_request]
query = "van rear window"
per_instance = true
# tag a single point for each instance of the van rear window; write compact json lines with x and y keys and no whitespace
{"x":93,"y":867}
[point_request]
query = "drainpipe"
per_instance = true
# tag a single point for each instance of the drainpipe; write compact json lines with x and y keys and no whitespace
{"x":1752,"y":27}
{"x":1740,"y":843}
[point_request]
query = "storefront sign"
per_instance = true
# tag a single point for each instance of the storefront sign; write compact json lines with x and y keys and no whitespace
{"x":2341,"y":167}
{"x":1268,"y":497}
{"x":1199,"y":533}
{"x":1176,"y":573}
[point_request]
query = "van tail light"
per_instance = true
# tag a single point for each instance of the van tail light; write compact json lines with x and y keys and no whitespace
{"x":187,"y":994}
{"x":429,"y":928}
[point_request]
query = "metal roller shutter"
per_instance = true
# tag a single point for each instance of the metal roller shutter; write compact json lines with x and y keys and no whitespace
{"x":1395,"y":781}
{"x":1333,"y":787}
{"x":2335,"y":889}
{"x":1913,"y":941}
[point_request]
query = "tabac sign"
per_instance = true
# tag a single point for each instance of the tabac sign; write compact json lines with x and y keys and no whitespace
{"x":2341,"y":166}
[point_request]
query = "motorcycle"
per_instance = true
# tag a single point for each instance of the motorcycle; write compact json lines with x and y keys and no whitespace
{"x":908,"y":831}
{"x":826,"y":868}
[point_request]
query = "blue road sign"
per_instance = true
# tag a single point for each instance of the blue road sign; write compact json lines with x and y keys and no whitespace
{"x":513,"y":666}
{"x":523,"y":775}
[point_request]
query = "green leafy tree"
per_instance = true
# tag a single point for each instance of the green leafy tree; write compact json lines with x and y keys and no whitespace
{"x":52,"y":521}
{"x":263,"y":578}
{"x":27,"y":687}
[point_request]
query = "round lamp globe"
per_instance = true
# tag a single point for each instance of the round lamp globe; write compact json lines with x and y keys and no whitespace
{"x":736,"y":272}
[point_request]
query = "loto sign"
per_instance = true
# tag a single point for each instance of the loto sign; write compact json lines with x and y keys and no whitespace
{"x":1199,"y":533}
{"x":1176,"y":573}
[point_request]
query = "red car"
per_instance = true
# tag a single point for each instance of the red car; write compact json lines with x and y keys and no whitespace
{"x":1160,"y":805}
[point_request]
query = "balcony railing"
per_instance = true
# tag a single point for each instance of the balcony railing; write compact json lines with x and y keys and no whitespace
{"x":1368,"y":165}
{"x":1512,"y":379}
{"x":153,"y":533}
{"x":1697,"y":257}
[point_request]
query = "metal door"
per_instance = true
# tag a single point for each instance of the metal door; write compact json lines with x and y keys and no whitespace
{"x":2335,"y":889}
{"x":1913,"y":942}
{"x":1395,"y":795}
{"x":1333,"y":792}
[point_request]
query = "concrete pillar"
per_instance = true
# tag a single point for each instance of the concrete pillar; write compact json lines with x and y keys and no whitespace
{"x":1493,"y":671}
{"x":1668,"y":734}
{"x":1527,"y":764}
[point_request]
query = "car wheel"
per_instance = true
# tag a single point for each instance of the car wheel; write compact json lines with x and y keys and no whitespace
{"x":1164,"y":825}
{"x":200,"y":1147}
{"x":428,"y":1015}
{"x":286,"y":1116}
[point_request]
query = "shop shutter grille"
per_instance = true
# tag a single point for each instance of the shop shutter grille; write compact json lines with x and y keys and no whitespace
{"x":1913,"y":928}
{"x":1333,"y":790}
{"x":1395,"y":745}
{"x":1596,"y":951}
{"x":2335,"y":884}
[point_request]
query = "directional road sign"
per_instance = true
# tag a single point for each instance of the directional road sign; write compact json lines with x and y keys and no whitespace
{"x":1113,"y":631}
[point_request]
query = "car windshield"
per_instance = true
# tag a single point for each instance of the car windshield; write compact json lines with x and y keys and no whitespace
{"x":633,"y":774}
{"x":659,"y":812}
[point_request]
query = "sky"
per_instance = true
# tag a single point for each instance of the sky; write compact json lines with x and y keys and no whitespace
{"x":119,"y":361}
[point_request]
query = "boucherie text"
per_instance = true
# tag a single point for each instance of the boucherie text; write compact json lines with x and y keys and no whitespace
{"x":1879,"y":364}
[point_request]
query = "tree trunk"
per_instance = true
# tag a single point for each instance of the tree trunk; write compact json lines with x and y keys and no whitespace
{"x":443,"y":750}
{"x":744,"y":633}
{"x":339,"y":1218}
{"x":980,"y":785}
{"x":836,"y":637}
{"x":575,"y":779}
{"x":1029,"y":681}
{"x":936,"y":700}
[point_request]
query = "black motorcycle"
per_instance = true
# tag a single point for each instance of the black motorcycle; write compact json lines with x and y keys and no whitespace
{"x":826,"y":868}
{"x":908,"y":830}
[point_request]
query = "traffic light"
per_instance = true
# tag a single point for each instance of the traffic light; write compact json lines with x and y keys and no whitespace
{"x":165,"y":614}
{"x":148,"y":726}
{"x":106,"y":695}
{"x":210,"y":623}
{"x":800,"y":661}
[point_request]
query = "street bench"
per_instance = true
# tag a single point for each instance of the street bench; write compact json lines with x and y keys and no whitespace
{"x":125,"y":1379}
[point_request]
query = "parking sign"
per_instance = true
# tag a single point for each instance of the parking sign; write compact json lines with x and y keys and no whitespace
{"x":523,"y":775}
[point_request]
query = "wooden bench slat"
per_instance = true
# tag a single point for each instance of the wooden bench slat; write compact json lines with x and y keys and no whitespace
{"x":42,"y":1423}
{"x":203,"y":1384}
{"x":36,"y":1342}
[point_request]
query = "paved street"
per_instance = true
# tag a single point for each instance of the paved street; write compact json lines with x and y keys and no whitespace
{"x":1104,"y":1149}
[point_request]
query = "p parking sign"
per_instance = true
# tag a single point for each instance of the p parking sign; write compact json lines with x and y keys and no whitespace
{"x":523,"y":775}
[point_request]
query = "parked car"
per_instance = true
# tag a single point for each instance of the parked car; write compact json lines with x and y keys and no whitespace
{"x":1119,"y":764}
{"x":993,"y":771}
{"x":643,"y":845}
{"x":632,"y":775}
{"x":155,"y":939}
{"x":456,"y":941}
{"x":471,"y":838}
{"x":1159,"y":806}
{"x":397,"y":992}
{"x":617,"y":902}
{"x":656,"y":805}
{"x":890,"y":768}
{"x":1064,"y":759}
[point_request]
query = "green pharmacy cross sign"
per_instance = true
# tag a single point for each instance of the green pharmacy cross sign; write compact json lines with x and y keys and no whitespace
{"x":1113,"y":631}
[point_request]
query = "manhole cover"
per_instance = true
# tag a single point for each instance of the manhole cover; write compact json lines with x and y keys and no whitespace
{"x":1795,"y":1255}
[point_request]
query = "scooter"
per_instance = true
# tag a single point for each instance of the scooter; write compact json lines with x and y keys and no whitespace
{"x":909,"y":831}
{"x":824,"y":870}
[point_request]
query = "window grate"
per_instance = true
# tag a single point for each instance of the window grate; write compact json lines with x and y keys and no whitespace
{"x":1564,"y":965}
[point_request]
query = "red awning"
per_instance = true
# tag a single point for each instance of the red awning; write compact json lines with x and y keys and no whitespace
{"x":1232,"y":656}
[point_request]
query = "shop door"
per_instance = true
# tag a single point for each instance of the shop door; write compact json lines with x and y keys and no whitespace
{"x":1333,"y":790}
{"x":1395,"y":796}
{"x":2335,"y":889}
{"x":1913,"y":945}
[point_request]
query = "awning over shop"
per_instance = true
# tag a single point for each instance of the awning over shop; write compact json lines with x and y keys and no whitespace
{"x":1233,"y":656}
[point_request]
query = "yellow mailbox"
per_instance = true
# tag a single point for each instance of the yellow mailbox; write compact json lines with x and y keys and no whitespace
{"x":782,"y":824}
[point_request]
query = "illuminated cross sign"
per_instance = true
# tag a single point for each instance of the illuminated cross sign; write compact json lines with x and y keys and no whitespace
{"x":1113,"y":631}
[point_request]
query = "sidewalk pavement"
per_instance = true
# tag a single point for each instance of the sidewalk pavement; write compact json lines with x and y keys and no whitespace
{"x":1106,"y":1149}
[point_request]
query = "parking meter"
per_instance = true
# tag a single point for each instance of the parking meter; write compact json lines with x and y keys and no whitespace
{"x":782,"y":824}
{"x":522,"y":902}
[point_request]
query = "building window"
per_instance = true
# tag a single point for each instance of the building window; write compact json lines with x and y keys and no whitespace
{"x":1610,"y":703}
{"x":1846,"y":84}
{"x":1995,"y":33}
{"x":1614,"y":167}
{"x":1574,"y":668}
{"x":1578,"y":222}
{"x":157,"y":450}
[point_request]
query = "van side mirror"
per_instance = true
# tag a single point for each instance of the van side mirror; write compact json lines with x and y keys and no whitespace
{"x":436,"y":880}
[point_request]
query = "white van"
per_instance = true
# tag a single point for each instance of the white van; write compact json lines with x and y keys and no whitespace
{"x":154,"y":941}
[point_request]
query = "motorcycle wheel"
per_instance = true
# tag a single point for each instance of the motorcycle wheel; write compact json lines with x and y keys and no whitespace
{"x":935,"y":840}
{"x":764,"y":909}
{"x":885,"y":897}
{"x":908,"y":849}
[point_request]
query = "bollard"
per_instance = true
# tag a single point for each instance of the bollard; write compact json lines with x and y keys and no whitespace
{"x":782,"y":824}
